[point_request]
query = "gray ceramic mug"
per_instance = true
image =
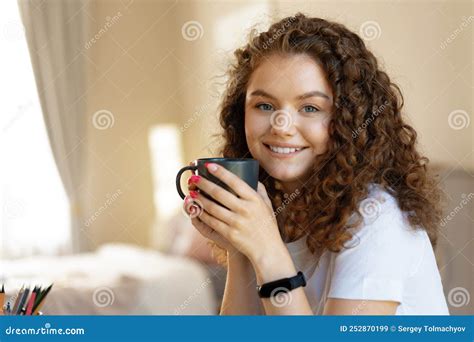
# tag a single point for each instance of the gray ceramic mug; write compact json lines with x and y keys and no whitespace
{"x":244,"y":168}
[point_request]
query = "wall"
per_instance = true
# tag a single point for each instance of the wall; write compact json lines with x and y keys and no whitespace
{"x":144,"y":71}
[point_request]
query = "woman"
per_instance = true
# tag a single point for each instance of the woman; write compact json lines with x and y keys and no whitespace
{"x":344,"y":196}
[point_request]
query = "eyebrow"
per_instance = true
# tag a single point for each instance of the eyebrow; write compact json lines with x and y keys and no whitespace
{"x":315,"y":93}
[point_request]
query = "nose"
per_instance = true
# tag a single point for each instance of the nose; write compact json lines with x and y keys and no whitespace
{"x":282,"y":123}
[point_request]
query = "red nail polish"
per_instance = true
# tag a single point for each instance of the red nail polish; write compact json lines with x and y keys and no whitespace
{"x":211,"y":166}
{"x":194,"y":179}
{"x":193,"y":194}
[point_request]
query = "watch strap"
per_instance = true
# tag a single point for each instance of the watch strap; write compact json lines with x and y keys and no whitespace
{"x":272,"y":288}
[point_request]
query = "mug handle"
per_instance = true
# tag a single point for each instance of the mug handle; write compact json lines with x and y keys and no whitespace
{"x":178,"y":178}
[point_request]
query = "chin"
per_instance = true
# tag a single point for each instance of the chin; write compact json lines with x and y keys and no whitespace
{"x":284,"y":177}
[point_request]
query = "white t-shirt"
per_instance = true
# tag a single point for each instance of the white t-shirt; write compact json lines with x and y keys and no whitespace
{"x":388,"y":260}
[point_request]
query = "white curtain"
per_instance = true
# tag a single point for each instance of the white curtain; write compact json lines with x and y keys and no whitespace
{"x":56,"y":32}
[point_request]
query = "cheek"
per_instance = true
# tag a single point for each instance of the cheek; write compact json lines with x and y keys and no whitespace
{"x":255,"y":126}
{"x":318,"y":136}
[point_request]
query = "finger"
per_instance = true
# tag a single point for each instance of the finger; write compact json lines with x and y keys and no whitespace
{"x":192,"y":207}
{"x":191,"y":182}
{"x":191,"y":186}
{"x":262,"y":191}
{"x":203,"y":228}
{"x":215,"y":224}
{"x":241,"y":188}
{"x":218,"y":211}
{"x":208,"y":232}
{"x":220,"y":194}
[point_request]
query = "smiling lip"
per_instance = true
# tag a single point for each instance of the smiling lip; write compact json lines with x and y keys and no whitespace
{"x":283,"y":155}
{"x":283,"y":145}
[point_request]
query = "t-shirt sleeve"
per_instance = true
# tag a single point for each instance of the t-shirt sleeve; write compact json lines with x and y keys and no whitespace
{"x":381,"y":255}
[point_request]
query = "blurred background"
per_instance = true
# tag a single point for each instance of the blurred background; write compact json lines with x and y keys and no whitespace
{"x":105,"y":100}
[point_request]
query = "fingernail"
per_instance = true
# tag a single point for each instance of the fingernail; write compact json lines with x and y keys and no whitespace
{"x":194,"y":179}
{"x":211,"y":166}
{"x":193,"y":194}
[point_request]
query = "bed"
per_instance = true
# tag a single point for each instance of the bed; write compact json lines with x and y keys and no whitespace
{"x":117,"y":279}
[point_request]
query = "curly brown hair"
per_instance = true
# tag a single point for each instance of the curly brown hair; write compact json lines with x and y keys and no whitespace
{"x":369,"y":140}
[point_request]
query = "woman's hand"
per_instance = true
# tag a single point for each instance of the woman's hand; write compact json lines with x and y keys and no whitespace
{"x":193,"y":209}
{"x":247,"y":221}
{"x":211,"y":234}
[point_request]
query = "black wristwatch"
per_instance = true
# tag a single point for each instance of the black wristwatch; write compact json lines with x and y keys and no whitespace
{"x":275,"y":287}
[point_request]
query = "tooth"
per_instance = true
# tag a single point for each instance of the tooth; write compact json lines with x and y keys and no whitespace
{"x":284,"y":150}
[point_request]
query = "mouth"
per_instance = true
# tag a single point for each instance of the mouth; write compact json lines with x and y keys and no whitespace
{"x":284,"y":152}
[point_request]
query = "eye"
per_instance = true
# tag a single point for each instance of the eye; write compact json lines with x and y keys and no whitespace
{"x":264,"y":106}
{"x":310,"y":109}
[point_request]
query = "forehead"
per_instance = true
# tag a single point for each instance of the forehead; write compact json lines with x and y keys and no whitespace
{"x":290,"y":74}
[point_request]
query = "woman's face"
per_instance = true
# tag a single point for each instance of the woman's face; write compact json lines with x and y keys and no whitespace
{"x":287,"y":106}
